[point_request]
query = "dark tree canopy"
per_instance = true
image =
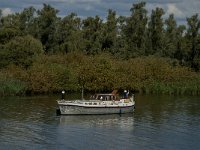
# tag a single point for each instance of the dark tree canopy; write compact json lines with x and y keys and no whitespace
{"x":124,"y":37}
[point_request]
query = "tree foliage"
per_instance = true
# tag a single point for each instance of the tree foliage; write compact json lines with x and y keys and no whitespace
{"x":156,"y":32}
{"x":142,"y":51}
{"x":135,"y":30}
{"x":14,"y":52}
{"x":110,"y":32}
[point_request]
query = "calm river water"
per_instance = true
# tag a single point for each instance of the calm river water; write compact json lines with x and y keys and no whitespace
{"x":158,"y":122}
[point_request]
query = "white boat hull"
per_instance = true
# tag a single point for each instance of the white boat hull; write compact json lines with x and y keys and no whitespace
{"x":79,"y":107}
{"x":82,"y":110}
{"x":101,"y":104}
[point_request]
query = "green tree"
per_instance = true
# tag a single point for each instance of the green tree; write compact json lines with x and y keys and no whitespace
{"x":110,"y":33}
{"x":121,"y":44}
{"x":27,"y":21}
{"x":9,"y":27}
{"x":46,"y":23}
{"x":69,"y":36}
{"x":92,"y":34}
{"x":135,"y":30}
{"x":6,"y":34}
{"x":156,"y":32}
{"x":181,"y":50}
{"x":10,"y":21}
{"x":192,"y":39}
{"x":0,"y":18}
{"x":170,"y":37}
{"x":21,"y":51}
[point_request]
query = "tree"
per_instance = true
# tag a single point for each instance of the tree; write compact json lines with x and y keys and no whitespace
{"x":69,"y":35}
{"x":27,"y":21}
{"x":181,"y":50}
{"x":135,"y":30}
{"x":0,"y":18}
{"x":21,"y":51}
{"x":156,"y":32}
{"x":6,"y":34}
{"x":10,"y":28}
{"x":92,"y":34}
{"x":192,"y":37}
{"x":110,"y":33}
{"x":46,"y":21}
{"x":170,"y":37}
{"x":121,"y":43}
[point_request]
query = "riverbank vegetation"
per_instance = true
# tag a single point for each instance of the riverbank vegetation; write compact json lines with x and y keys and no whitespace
{"x":43,"y":53}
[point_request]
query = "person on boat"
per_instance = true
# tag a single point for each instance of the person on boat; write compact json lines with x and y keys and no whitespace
{"x":126,"y":93}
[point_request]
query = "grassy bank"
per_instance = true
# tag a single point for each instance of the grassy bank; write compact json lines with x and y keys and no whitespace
{"x":12,"y":87}
{"x":70,"y":72}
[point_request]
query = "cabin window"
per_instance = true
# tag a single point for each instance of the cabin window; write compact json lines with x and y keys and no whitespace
{"x":101,"y":98}
{"x":107,"y":98}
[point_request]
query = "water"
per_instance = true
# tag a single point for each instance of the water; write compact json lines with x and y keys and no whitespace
{"x":158,"y":123}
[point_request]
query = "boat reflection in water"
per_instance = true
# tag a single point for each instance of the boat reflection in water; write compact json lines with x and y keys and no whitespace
{"x":124,"y":121}
{"x":96,"y":131}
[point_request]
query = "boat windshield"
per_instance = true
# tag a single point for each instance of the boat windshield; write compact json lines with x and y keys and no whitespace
{"x":105,"y":97}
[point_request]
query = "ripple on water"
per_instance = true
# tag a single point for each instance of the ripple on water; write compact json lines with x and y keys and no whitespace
{"x":157,"y":123}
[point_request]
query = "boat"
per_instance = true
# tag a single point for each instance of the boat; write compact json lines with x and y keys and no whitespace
{"x":99,"y":104}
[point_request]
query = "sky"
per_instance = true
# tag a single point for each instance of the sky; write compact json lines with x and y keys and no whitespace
{"x":88,"y":8}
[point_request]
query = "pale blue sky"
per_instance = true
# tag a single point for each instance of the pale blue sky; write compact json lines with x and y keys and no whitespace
{"x":85,"y":8}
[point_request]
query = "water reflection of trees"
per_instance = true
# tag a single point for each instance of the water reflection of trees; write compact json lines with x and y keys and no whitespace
{"x":161,"y":108}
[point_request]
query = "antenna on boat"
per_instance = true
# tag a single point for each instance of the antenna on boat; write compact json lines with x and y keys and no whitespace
{"x":82,"y":92}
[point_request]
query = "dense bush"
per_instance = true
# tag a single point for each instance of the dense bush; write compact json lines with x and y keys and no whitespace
{"x":53,"y":73}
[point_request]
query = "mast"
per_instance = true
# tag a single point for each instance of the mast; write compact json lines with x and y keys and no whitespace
{"x":82,"y":93}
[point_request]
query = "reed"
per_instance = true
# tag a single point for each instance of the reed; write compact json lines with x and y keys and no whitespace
{"x":173,"y":88}
{"x":12,"y":87}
